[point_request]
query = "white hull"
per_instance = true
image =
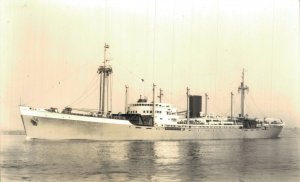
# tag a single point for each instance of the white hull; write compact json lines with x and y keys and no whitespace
{"x":59,"y":126}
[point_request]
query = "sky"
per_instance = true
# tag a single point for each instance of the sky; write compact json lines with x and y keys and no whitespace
{"x":50,"y":52}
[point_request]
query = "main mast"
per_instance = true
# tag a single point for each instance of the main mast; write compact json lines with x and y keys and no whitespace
{"x":242,"y":88}
{"x":104,"y":71}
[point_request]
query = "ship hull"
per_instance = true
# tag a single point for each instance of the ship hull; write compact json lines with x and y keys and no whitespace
{"x":57,"y":126}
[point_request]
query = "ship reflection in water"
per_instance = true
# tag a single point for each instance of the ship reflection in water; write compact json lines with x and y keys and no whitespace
{"x":210,"y":160}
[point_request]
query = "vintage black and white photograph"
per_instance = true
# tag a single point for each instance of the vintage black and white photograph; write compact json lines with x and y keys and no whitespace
{"x":149,"y":90}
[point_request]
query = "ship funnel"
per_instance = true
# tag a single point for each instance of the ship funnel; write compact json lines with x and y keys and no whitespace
{"x":195,"y":105}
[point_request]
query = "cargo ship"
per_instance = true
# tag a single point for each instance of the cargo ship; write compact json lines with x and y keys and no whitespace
{"x":144,"y":119}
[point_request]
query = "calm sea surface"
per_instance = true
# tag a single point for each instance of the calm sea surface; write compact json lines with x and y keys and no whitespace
{"x":210,"y":160}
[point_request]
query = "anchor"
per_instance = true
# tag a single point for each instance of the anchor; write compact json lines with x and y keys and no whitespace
{"x":34,"y":121}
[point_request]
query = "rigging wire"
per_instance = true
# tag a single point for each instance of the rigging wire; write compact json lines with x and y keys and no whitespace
{"x":111,"y":85}
{"x":173,"y":47}
{"x":106,"y":22}
{"x":135,"y":76}
{"x":86,"y":90}
{"x":58,"y":82}
{"x":154,"y":39}
{"x":272,"y":57}
{"x":259,"y":109}
{"x":94,"y":88}
{"x":215,"y":71}
{"x":249,"y":109}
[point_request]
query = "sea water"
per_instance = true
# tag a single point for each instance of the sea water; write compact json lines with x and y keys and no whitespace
{"x":205,"y":160}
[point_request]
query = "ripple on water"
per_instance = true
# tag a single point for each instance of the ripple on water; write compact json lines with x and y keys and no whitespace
{"x":219,"y":160}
